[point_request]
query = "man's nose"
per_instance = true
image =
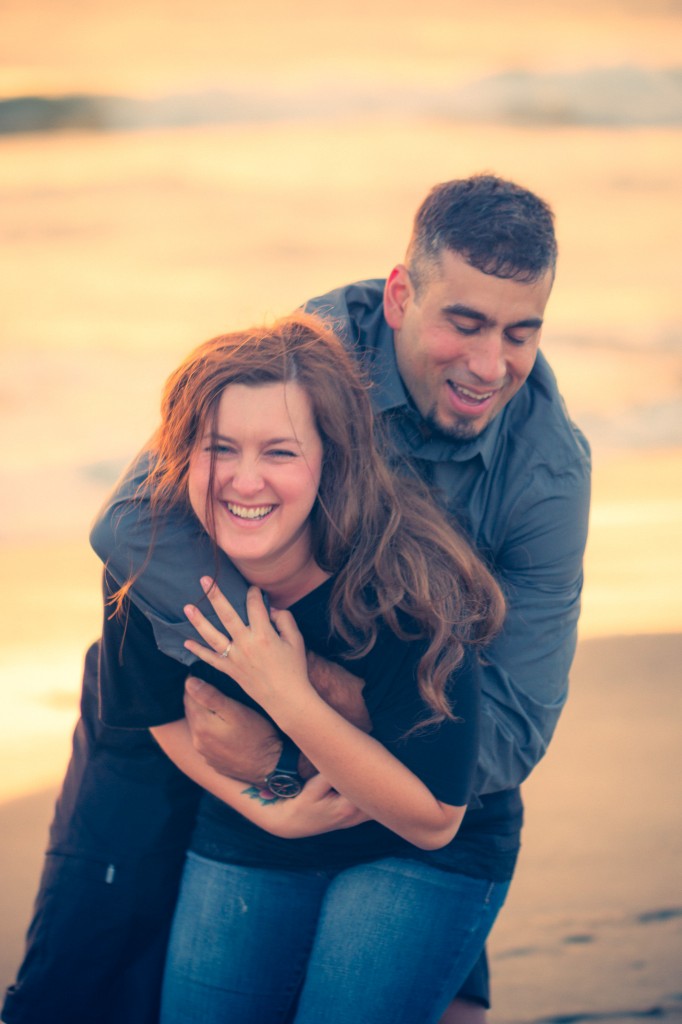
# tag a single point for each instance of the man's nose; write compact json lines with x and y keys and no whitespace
{"x":486,"y":358}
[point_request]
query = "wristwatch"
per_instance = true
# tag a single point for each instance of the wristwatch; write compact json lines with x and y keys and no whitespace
{"x":284,"y":780}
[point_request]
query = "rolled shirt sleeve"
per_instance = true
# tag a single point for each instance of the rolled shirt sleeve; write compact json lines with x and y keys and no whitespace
{"x":525,"y":675}
{"x":166,"y":559}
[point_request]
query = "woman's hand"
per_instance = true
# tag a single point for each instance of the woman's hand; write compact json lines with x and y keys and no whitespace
{"x":318,"y":808}
{"x":268,"y":663}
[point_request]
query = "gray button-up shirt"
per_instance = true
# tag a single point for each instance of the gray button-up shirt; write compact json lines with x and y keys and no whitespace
{"x":520,"y":490}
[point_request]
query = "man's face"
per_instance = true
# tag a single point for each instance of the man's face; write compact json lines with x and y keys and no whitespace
{"x":466,"y":343}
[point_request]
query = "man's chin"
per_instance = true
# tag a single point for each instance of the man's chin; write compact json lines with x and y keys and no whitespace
{"x":461,"y":429}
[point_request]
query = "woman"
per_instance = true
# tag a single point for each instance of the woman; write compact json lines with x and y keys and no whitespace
{"x":344,"y":902}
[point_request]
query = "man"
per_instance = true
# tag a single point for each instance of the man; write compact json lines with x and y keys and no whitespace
{"x":450,"y":344}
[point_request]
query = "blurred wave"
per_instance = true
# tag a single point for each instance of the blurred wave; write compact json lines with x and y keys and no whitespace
{"x":615,"y":96}
{"x":650,"y":425}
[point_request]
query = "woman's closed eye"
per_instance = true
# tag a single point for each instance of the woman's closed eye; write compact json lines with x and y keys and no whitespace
{"x":282,"y":453}
{"x":220,"y":448}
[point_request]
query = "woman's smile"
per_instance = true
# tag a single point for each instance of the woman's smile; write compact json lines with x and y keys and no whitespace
{"x":248,"y":512}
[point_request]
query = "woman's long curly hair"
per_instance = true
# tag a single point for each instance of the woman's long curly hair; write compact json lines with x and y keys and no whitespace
{"x":395,"y":556}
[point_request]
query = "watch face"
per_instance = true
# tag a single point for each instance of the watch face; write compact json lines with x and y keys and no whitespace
{"x":283,"y":784}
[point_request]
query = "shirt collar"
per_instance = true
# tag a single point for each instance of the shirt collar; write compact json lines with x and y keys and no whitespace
{"x":389,"y":394}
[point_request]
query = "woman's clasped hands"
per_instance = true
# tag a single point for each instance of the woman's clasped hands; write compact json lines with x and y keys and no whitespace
{"x":269,"y":663}
{"x":318,"y":808}
{"x":267,"y":657}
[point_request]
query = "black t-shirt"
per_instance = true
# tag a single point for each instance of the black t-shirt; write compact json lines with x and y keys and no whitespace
{"x":141,"y":687}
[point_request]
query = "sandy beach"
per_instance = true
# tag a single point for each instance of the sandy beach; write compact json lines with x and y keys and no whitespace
{"x":593,"y":926}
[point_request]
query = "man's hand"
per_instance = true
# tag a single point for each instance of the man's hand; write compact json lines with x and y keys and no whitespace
{"x":241,"y":743}
{"x":233,"y":739}
{"x":340,"y":689}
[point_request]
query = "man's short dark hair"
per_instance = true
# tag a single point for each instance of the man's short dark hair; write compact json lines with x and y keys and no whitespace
{"x":498,"y":227}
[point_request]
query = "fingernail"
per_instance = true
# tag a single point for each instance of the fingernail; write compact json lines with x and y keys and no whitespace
{"x":193,"y":686}
{"x":206,"y":583}
{"x":189,"y":610}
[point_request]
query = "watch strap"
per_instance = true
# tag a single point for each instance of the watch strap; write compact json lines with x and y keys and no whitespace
{"x":284,"y":780}
{"x":288,"y":758}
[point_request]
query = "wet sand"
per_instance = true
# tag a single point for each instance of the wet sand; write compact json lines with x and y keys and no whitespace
{"x":593,"y":927}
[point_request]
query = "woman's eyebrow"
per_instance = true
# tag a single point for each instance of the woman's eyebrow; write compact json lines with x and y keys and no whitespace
{"x":268,"y":440}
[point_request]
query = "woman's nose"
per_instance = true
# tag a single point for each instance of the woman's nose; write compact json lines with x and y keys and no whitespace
{"x":247,"y":478}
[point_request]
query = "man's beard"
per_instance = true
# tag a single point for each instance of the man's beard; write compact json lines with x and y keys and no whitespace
{"x":462,"y":430}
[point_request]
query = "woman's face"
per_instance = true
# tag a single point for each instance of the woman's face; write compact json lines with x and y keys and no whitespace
{"x":268,"y":462}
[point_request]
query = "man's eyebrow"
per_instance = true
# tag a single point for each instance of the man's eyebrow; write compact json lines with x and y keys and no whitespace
{"x":532,"y":321}
{"x":458,"y":309}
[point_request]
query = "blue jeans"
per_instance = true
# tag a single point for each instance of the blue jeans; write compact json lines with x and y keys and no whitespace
{"x":387,"y":941}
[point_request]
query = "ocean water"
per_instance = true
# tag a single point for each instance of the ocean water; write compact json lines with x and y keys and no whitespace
{"x":123,"y":250}
{"x":224,"y":171}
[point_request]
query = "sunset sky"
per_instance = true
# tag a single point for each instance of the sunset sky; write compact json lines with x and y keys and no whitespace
{"x":143,"y":47}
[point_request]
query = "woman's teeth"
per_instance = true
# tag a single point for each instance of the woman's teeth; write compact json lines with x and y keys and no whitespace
{"x":254,"y":512}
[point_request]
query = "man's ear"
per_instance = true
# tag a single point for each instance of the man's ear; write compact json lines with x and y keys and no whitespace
{"x":397,"y":292}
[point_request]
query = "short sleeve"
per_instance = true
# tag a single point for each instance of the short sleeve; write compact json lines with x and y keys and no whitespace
{"x":139,"y":686}
{"x":444,"y":755}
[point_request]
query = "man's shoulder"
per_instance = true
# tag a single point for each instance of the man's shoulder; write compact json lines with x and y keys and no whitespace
{"x":354,"y":311}
{"x":538,"y":427}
